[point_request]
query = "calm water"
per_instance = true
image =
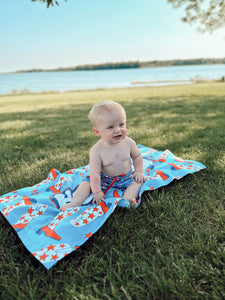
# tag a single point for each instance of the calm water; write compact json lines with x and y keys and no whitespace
{"x":76,"y":80}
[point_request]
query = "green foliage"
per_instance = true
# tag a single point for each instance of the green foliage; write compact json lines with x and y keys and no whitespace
{"x":108,"y":66}
{"x":137,"y":64}
{"x":172,"y":246}
{"x":49,"y":2}
{"x":209,"y":15}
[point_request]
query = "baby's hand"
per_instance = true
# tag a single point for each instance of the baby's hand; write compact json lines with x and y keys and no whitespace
{"x":98,"y":197}
{"x":139,"y":177}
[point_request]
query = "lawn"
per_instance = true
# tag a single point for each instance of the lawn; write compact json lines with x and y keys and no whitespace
{"x":172,"y":246}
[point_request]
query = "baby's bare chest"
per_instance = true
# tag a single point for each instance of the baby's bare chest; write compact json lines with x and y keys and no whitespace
{"x":111,"y":157}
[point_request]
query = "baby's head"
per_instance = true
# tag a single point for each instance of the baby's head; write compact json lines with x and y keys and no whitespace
{"x":100,"y":108}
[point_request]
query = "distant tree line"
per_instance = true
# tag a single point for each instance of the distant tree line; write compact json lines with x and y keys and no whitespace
{"x":150,"y":64}
{"x":182,"y":62}
{"x":137,"y":64}
{"x":108,"y":66}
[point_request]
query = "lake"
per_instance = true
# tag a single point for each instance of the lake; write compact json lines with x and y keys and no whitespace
{"x":79,"y":80}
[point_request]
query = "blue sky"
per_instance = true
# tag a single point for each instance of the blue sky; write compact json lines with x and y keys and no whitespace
{"x":95,"y":31}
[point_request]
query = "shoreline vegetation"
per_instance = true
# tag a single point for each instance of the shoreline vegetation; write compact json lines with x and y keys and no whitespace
{"x":131,"y":64}
{"x":135,"y":83}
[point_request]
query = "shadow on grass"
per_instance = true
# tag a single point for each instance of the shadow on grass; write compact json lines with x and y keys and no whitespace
{"x":159,"y":122}
{"x":156,"y":251}
{"x":190,"y":127}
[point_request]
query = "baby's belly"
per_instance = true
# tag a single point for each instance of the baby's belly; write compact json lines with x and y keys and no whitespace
{"x":117,"y":169}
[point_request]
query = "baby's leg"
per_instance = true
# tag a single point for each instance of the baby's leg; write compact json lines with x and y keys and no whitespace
{"x":79,"y":196}
{"x":131,"y":193}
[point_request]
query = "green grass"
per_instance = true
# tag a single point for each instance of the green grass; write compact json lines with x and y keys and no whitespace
{"x":172,"y":246}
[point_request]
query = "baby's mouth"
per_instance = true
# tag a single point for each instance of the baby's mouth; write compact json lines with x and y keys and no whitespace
{"x":117,"y":136}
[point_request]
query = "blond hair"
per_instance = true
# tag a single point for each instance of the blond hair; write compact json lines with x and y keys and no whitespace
{"x":107,"y":105}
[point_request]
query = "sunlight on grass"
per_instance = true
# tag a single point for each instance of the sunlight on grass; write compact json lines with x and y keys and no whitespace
{"x":172,"y":246}
{"x":15,"y":125}
{"x":220,"y":161}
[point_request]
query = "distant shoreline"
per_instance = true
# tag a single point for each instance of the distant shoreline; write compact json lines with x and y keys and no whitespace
{"x":129,"y":65}
{"x":135,"y":85}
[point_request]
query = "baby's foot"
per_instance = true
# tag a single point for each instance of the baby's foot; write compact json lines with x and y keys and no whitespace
{"x":66,"y":206}
{"x":132,"y":202}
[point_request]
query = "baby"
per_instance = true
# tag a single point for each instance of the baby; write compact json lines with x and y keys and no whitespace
{"x":109,"y":160}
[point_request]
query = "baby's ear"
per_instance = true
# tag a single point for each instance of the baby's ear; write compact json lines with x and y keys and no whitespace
{"x":96,"y":131}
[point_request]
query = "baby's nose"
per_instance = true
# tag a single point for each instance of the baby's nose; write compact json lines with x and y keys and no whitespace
{"x":117,"y":129}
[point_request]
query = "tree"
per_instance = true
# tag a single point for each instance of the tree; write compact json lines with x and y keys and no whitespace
{"x":49,"y":2}
{"x":209,"y":15}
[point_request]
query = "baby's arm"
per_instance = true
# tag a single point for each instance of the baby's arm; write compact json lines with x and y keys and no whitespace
{"x":138,"y":163}
{"x":95,"y":178}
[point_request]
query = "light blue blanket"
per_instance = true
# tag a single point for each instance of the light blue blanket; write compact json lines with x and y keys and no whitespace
{"x":50,"y":234}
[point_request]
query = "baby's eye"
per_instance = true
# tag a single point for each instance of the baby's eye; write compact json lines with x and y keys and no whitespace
{"x":110,"y":127}
{"x":122,"y":124}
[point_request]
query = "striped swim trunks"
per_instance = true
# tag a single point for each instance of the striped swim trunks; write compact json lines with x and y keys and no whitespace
{"x":121,"y":181}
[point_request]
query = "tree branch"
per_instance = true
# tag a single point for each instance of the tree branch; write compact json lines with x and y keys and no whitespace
{"x":209,"y":15}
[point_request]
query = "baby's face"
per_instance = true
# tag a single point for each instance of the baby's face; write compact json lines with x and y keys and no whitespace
{"x":111,"y":126}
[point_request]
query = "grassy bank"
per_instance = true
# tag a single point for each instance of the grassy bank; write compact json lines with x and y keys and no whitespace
{"x":172,"y":246}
